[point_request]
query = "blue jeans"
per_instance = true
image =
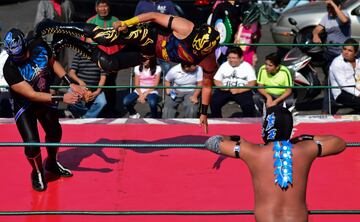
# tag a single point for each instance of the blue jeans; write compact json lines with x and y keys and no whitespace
{"x":152,"y":99}
{"x":91,"y":109}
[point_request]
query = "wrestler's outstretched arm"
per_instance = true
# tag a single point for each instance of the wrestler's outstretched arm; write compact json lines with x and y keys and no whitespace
{"x":331,"y":145}
{"x":205,"y":101}
{"x":232,"y":146}
{"x":26,"y":90}
{"x":325,"y":144}
{"x":209,"y":66}
{"x":180,"y":26}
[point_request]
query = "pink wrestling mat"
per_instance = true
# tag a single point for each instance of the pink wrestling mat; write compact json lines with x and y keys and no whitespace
{"x":172,"y":179}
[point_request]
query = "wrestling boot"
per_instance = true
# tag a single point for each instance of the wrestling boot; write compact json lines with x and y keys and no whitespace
{"x":56,"y":168}
{"x":48,"y":26}
{"x":102,"y":36}
{"x":106,"y":62}
{"x":87,"y":50}
{"x":37,"y":174}
{"x":53,"y":166}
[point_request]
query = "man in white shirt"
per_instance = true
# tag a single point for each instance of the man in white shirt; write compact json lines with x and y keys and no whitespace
{"x":345,"y":71}
{"x":234,"y":73}
{"x":183,"y":75}
{"x":337,"y":26}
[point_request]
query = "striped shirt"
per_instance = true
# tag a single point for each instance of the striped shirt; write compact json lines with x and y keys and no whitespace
{"x":86,"y":70}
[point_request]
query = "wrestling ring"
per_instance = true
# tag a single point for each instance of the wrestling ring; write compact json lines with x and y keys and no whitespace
{"x":158,"y":170}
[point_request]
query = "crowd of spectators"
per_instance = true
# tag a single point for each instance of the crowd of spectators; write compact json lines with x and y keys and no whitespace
{"x":236,"y":68}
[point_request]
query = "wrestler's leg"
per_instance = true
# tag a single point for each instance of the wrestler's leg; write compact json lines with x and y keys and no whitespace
{"x":78,"y":29}
{"x":49,"y":120}
{"x":27,"y":125}
{"x":102,"y":36}
{"x":181,"y":26}
{"x":109,"y":63}
{"x":138,"y":35}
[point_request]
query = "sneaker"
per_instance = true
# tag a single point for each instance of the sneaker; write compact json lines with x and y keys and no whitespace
{"x":135,"y":116}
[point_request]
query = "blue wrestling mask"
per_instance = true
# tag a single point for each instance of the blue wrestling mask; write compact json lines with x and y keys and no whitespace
{"x":277,"y":124}
{"x":277,"y":128}
{"x":15,"y":44}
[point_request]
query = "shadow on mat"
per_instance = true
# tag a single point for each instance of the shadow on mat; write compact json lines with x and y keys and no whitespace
{"x":72,"y":158}
{"x":186,"y":139}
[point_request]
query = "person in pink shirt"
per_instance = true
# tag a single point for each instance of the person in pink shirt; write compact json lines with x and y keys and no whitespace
{"x":248,"y":34}
{"x":146,"y":74}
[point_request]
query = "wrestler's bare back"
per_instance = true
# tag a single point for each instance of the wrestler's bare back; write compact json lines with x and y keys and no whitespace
{"x":272,"y":204}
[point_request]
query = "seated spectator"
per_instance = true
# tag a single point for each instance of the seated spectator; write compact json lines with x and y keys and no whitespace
{"x":6,"y":109}
{"x":146,"y":74}
{"x":87,"y":73}
{"x":344,"y":71}
{"x":233,"y":73}
{"x":186,"y":75}
{"x":273,"y":74}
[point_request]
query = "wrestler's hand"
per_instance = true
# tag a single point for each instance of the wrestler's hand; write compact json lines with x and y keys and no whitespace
{"x":80,"y":90}
{"x":71,"y":98}
{"x":87,"y":96}
{"x":120,"y":26}
{"x":204,"y":122}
